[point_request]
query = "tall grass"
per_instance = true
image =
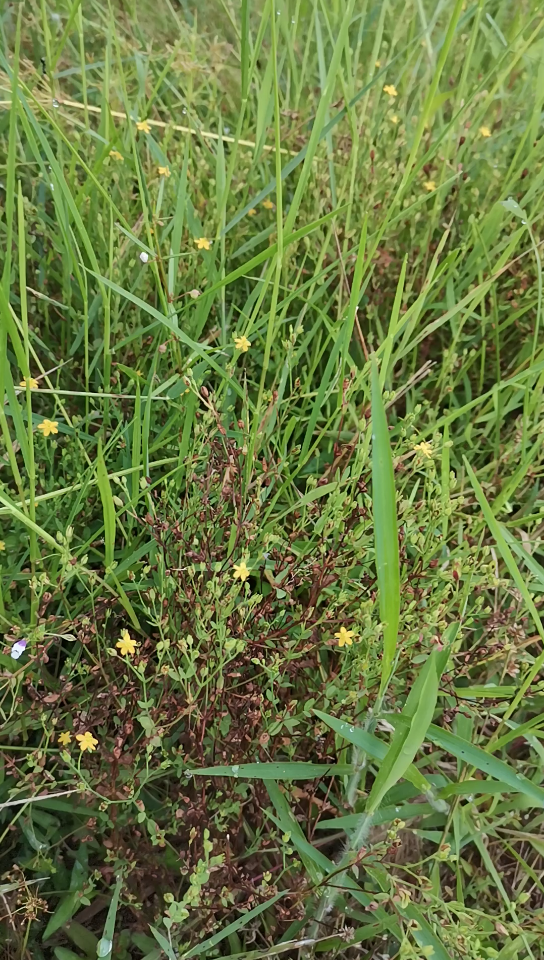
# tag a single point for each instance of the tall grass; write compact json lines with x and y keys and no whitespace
{"x":271,"y":366}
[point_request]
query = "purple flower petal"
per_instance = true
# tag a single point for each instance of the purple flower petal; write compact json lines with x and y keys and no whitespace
{"x":18,"y":649}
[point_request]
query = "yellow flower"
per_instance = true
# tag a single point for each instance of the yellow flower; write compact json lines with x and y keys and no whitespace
{"x":65,"y":738}
{"x":344,"y":637}
{"x":425,"y":448}
{"x":390,"y":90}
{"x":242,"y":343}
{"x":2,"y":546}
{"x":394,"y":118}
{"x":115,"y":155}
{"x":203,"y":243}
{"x":48,"y":427}
{"x":241,"y":571}
{"x":378,"y":64}
{"x":87,"y":741}
{"x":485,"y":131}
{"x":252,"y":212}
{"x":268,"y":205}
{"x":126,"y":645}
{"x":430,"y":185}
{"x":143,"y":126}
{"x":32,"y":383}
{"x":164,"y":171}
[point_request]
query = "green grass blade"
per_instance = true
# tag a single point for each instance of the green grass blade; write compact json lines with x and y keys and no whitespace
{"x":407,"y":741}
{"x":233,"y":927}
{"x":105,"y":945}
{"x":274,"y":771}
{"x":108,"y":506}
{"x":372,"y":746}
{"x":385,"y":528}
{"x":476,"y":757}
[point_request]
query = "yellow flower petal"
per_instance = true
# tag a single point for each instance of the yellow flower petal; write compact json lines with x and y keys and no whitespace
{"x":485,"y":132}
{"x":252,"y":212}
{"x":143,"y":126}
{"x":242,"y":343}
{"x":115,"y":155}
{"x":87,"y":741}
{"x":390,"y":90}
{"x":32,"y":383}
{"x":2,"y":546}
{"x":344,"y":637}
{"x":164,"y":171}
{"x":425,"y":448}
{"x":268,"y":205}
{"x":127,"y":644}
{"x":48,"y":427}
{"x":241,"y":571}
{"x":430,"y":185}
{"x":65,"y":738}
{"x":203,"y":243}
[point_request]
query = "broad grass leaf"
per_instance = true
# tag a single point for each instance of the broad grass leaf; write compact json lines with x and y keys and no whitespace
{"x":371,"y":745}
{"x":476,"y":757}
{"x":406,"y":741}
{"x":275,"y":771}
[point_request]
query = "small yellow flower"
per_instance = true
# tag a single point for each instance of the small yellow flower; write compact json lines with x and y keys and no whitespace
{"x":126,"y":645}
{"x":344,"y":637}
{"x":242,"y":343}
{"x":115,"y":155}
{"x":268,"y":205}
{"x":430,"y":185}
{"x":65,"y":738}
{"x":87,"y":741}
{"x":164,"y":171}
{"x":32,"y":383}
{"x":390,"y":90}
{"x":48,"y":427}
{"x":203,"y":243}
{"x":378,"y":64}
{"x":2,"y":546}
{"x":143,"y":126}
{"x":485,"y":131}
{"x":252,"y":212}
{"x":394,"y":118}
{"x":241,"y":571}
{"x":425,"y":448}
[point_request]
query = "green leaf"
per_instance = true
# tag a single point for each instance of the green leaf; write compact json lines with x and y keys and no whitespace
{"x":163,"y":943}
{"x":406,"y":741}
{"x":275,"y":771}
{"x":314,"y":861}
{"x":491,"y":691}
{"x":238,"y":924}
{"x":387,"y":814}
{"x":104,"y":946}
{"x":371,"y":745}
{"x":64,"y":912}
{"x":385,"y":527}
{"x":108,"y":507}
{"x":476,"y":757}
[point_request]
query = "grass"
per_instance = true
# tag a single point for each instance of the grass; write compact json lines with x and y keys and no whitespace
{"x":271,"y":360}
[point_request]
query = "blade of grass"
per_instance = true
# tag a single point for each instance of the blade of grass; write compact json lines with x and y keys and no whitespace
{"x":385,"y":529}
{"x":108,"y":507}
